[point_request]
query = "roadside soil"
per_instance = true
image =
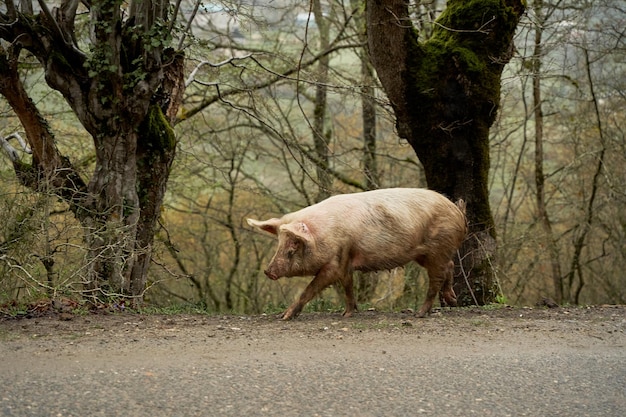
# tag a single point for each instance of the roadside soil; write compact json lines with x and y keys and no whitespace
{"x":52,"y":329}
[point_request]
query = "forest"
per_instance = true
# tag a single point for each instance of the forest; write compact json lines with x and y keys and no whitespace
{"x":257,"y":108}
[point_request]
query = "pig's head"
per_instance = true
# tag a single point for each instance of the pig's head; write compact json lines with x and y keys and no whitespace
{"x":294,"y":248}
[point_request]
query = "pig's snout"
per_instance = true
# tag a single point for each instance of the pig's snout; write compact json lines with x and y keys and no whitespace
{"x":271,"y":275}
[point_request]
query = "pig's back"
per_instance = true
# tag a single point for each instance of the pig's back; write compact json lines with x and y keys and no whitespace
{"x":389,"y":203}
{"x":394,"y":204}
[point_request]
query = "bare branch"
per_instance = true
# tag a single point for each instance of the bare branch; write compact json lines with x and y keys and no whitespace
{"x":10,"y":150}
{"x":188,"y":27}
{"x":192,"y":76}
{"x":46,"y":11}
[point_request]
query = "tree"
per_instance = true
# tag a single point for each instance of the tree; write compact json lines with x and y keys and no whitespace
{"x":445,"y":92}
{"x":124,"y":84}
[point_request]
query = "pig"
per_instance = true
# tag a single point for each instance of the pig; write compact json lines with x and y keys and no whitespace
{"x":368,"y":231}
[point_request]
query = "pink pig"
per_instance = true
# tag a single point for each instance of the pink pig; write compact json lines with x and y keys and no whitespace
{"x":368,"y":231}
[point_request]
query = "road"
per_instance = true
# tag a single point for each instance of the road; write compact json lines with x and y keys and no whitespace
{"x":321,"y":365}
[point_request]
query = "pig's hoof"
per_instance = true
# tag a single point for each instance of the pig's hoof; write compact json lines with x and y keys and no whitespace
{"x":450,"y":301}
{"x":348,"y":313}
{"x":421,"y":314}
{"x":284,"y":316}
{"x":290,"y":314}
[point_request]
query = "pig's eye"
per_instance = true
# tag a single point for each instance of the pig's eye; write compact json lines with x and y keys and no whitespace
{"x":290,"y":253}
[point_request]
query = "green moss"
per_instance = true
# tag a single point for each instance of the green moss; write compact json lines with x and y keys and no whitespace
{"x":467,"y":37}
{"x":157,"y":142}
{"x":155,"y":132}
{"x":469,"y":21}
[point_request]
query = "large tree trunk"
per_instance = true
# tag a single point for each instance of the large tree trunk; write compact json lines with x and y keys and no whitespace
{"x":155,"y":153}
{"x":445,"y":93}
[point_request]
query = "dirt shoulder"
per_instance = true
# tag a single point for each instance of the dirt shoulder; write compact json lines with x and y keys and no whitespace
{"x":600,"y":323}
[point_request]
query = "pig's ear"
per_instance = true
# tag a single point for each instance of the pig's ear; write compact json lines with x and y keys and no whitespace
{"x":270,"y":226}
{"x":299,"y":229}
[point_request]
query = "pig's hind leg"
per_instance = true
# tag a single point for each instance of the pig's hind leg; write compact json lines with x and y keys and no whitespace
{"x":439,"y":276}
{"x":325,"y":277}
{"x":447,"y":292}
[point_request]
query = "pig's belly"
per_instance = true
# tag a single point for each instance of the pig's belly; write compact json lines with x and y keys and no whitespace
{"x":380,"y":262}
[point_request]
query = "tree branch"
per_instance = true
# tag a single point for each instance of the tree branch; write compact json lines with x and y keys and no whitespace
{"x":48,"y":165}
{"x":12,"y":153}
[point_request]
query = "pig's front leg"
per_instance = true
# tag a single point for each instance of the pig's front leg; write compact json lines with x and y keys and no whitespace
{"x":449,"y":297}
{"x":324,"y":278}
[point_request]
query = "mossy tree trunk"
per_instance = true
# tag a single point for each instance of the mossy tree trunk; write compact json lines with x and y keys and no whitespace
{"x":125,"y":90}
{"x":445,"y":93}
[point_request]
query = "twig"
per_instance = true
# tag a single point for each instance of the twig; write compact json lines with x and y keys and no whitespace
{"x":230,"y":60}
{"x":479,"y":30}
{"x":469,"y":287}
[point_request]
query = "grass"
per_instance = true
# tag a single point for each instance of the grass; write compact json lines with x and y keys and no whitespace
{"x":174,"y":309}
